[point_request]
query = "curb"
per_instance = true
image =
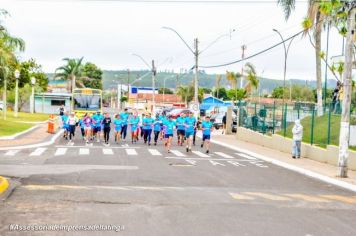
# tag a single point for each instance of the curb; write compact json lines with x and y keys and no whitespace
{"x":299,"y":170}
{"x":4,"y":184}
{"x":12,"y":137}
{"x":47,"y":143}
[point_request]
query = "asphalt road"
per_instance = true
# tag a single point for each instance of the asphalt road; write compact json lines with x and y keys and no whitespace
{"x":144,"y":190}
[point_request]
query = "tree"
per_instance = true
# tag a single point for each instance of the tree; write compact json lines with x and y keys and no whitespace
{"x":165,"y":91}
{"x":236,"y":94}
{"x":70,"y":71}
{"x":186,"y":93}
{"x":221,"y":93}
{"x":9,"y":45}
{"x":278,"y":92}
{"x":251,"y":78}
{"x":91,"y":76}
{"x":218,"y":80}
{"x":313,"y":22}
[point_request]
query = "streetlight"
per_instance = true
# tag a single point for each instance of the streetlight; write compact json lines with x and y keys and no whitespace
{"x":286,"y":50}
{"x":154,"y":71}
{"x":196,"y":54}
{"x":17,"y":76}
{"x":32,"y":100}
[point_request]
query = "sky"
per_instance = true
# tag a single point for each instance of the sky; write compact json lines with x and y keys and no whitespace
{"x":108,"y":32}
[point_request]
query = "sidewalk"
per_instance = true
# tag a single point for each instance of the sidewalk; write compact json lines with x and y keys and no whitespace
{"x":38,"y":135}
{"x":307,"y":164}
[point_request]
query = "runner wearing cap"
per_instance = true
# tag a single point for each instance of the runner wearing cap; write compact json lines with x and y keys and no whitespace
{"x":169,"y":126}
{"x":206,"y":127}
{"x":190,"y":123}
{"x":147,"y":123}
{"x":180,"y":129}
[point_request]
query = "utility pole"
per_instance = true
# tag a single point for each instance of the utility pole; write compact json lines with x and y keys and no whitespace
{"x":346,"y":102}
{"x":243,"y":47}
{"x":154,"y":71}
{"x":128,"y":85}
{"x":196,"y":54}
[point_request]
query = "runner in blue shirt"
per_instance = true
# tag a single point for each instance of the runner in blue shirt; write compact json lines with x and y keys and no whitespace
{"x":206,"y":127}
{"x":157,"y":128}
{"x":180,"y":129}
{"x":169,"y":126}
{"x":65,"y":125}
{"x":147,"y":124}
{"x":81,"y":124}
{"x":98,"y":119}
{"x":134,"y":122}
{"x":118,"y":122}
{"x":190,"y":123}
{"x":124,"y":117}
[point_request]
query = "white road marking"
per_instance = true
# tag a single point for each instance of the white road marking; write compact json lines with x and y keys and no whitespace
{"x":216,"y":163}
{"x":258,"y":164}
{"x":131,"y":152}
{"x":224,"y":155}
{"x":246,"y":156}
{"x":11,"y":152}
{"x":191,"y":162}
{"x":60,"y":151}
{"x":200,"y":154}
{"x":208,"y":159}
{"x":177,"y":153}
{"x":235,"y":163}
{"x":38,"y":152}
{"x":108,"y":151}
{"x":154,"y":152}
{"x":84,"y":151}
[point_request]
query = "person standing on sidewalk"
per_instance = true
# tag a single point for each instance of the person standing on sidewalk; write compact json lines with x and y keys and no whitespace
{"x":224,"y":123}
{"x":297,"y":139}
{"x":106,"y":124}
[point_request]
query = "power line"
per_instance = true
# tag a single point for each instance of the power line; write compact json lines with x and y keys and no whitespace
{"x":254,"y":55}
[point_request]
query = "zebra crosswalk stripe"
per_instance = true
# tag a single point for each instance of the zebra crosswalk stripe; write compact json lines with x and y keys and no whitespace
{"x":108,"y":151}
{"x":38,"y":152}
{"x":154,"y":152}
{"x":200,"y":154}
{"x":177,"y":153}
{"x":84,"y":151}
{"x":60,"y":151}
{"x":131,"y":152}
{"x":246,"y":156}
{"x":224,"y":155}
{"x":11,"y":152}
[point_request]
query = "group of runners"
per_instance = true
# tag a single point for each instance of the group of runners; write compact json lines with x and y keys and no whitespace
{"x":161,"y":126}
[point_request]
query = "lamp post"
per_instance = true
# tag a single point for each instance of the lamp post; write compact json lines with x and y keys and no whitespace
{"x":17,"y":76}
{"x":286,"y":50}
{"x":32,"y":100}
{"x":196,"y":54}
{"x":154,"y":71}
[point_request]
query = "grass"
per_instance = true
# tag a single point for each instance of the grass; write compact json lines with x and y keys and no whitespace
{"x":13,"y":125}
{"x":25,"y":117}
{"x":320,"y":130}
{"x":10,"y":128}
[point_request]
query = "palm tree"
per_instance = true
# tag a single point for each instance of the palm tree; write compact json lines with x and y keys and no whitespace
{"x":316,"y":21}
{"x":251,"y":78}
{"x":70,"y":72}
{"x":218,"y":80}
{"x":233,"y":78}
{"x":186,"y":93}
{"x":9,"y":45}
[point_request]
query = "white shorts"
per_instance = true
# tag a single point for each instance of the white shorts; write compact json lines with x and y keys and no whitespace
{"x":87,"y":128}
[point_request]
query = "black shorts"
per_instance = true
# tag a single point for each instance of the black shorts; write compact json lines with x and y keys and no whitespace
{"x":180,"y":132}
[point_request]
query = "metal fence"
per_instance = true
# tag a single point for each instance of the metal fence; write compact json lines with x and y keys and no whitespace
{"x":279,"y":119}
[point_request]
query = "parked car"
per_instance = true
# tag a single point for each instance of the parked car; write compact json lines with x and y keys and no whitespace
{"x":216,"y":119}
{"x":1,"y":105}
{"x":176,"y":112}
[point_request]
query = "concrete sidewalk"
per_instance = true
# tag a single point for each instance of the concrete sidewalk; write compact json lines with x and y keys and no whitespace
{"x":37,"y":135}
{"x":307,"y":164}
